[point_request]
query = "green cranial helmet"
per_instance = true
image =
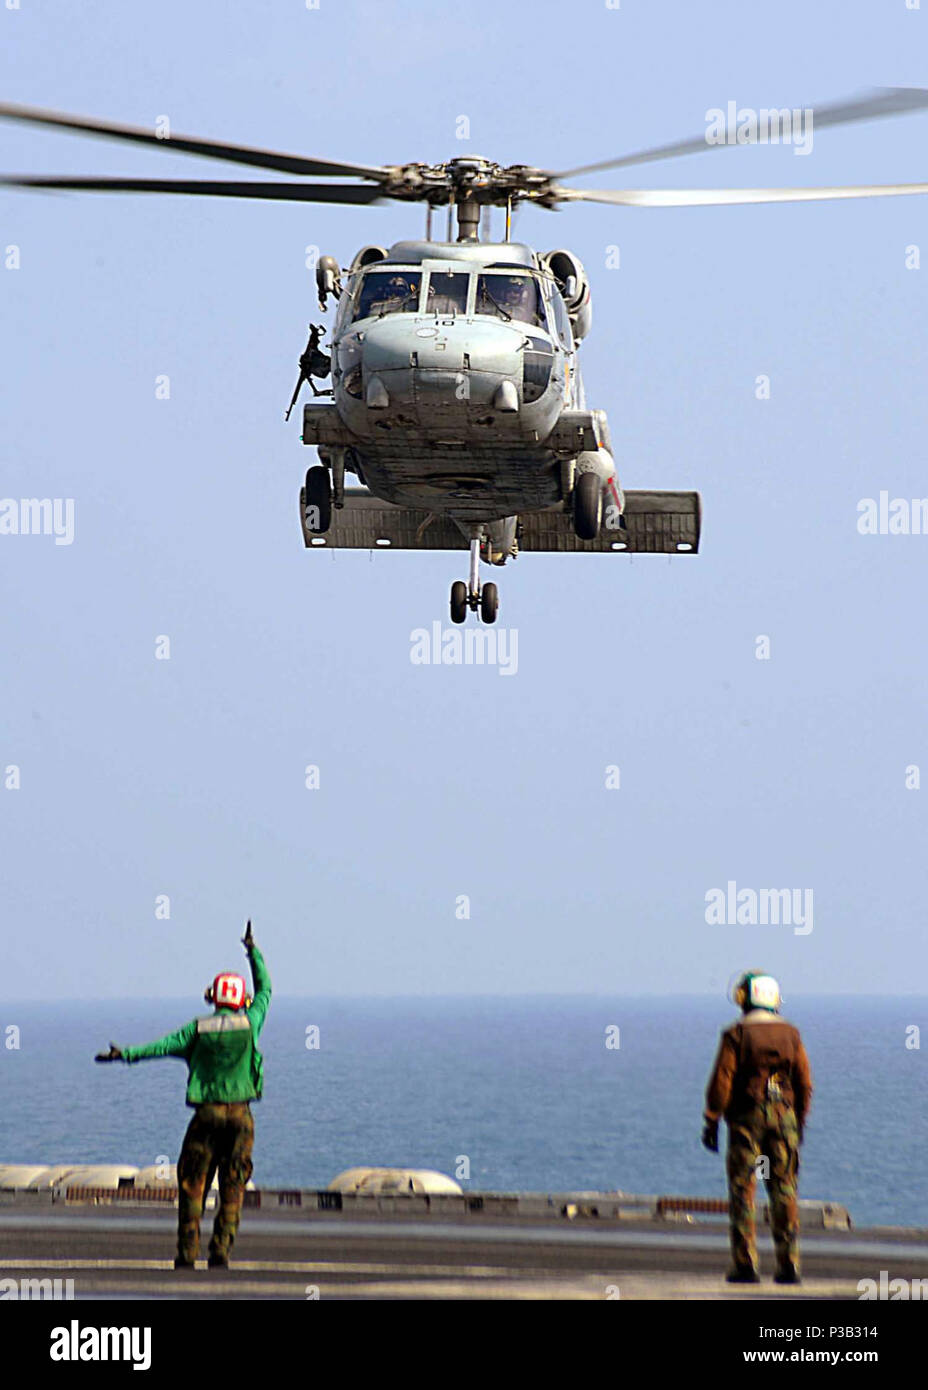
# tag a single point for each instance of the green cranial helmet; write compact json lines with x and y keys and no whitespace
{"x":757,"y":990}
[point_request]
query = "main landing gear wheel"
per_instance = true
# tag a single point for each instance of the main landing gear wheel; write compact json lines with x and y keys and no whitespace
{"x":473,"y":595}
{"x":588,"y":506}
{"x":318,"y":496}
{"x":458,"y":601}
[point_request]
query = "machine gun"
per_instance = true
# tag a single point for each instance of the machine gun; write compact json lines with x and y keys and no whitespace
{"x":312,"y":363}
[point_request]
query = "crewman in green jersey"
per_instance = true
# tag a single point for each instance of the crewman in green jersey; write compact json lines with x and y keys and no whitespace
{"x":226,"y":1073}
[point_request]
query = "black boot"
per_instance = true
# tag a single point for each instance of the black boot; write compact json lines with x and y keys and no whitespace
{"x":742,"y":1274}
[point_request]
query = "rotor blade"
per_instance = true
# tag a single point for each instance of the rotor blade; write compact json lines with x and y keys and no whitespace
{"x":884,"y":101}
{"x":212,"y":149}
{"x":251,"y":188}
{"x":717,"y":197}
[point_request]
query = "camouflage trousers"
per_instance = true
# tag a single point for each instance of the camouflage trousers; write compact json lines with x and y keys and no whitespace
{"x":218,"y":1137}
{"x":764,"y":1142}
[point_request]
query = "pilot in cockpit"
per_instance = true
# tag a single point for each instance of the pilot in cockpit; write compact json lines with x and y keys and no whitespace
{"x":508,"y":297}
{"x":518,"y":298}
{"x":382,"y":294}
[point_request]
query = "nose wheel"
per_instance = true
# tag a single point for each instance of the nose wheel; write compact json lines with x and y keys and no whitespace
{"x":474,"y":595}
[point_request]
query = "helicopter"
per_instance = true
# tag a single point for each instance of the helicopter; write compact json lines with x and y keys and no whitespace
{"x":456,"y":399}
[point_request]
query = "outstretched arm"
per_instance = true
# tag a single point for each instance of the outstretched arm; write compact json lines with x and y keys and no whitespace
{"x":177,"y":1044}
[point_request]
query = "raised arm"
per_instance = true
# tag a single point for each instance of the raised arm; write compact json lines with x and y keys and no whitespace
{"x":261,"y":982}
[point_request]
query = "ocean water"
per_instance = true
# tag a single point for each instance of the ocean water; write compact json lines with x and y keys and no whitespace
{"x":524,"y":1088}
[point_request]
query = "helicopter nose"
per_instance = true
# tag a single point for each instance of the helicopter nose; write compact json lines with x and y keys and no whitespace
{"x":443,"y":362}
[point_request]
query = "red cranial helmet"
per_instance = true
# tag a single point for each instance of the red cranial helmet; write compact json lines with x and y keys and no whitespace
{"x":227,"y":991}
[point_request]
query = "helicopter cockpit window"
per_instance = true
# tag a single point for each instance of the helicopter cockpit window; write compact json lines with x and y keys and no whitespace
{"x":388,"y":292}
{"x":447,"y":293}
{"x":510,"y":297}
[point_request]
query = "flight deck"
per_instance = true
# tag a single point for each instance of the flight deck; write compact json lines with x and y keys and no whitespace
{"x":306,"y":1244}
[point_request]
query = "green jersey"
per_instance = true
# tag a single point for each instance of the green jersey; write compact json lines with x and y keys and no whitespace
{"x":221,"y":1051}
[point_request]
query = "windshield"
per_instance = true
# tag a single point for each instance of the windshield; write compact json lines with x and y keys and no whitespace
{"x":388,"y":292}
{"x":447,"y":292}
{"x":510,"y":297}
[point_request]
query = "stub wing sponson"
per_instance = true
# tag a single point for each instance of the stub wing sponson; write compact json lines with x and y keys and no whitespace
{"x":658,"y":523}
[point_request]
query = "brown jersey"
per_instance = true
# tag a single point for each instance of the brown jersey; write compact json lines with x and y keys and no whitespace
{"x":760,"y":1058}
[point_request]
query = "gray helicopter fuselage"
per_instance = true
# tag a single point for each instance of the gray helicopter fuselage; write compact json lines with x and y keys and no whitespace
{"x":449,"y":395}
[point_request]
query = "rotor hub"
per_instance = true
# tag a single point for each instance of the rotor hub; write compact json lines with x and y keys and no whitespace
{"x":469,"y":178}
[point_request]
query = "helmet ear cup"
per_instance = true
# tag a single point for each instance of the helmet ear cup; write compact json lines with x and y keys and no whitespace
{"x":208,"y":994}
{"x":738,"y":990}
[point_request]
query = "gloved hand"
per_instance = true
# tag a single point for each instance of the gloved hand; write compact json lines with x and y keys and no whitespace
{"x":710,"y":1136}
{"x":248,"y":940}
{"x":114,"y":1055}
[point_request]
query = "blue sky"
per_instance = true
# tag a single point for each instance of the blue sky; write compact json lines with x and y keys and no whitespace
{"x":186,"y":777}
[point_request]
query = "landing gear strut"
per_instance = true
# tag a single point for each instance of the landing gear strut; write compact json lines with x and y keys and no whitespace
{"x":472,"y":595}
{"x":338,"y":478}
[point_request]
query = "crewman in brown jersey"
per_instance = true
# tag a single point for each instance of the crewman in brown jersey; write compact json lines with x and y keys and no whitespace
{"x":762,"y":1085}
